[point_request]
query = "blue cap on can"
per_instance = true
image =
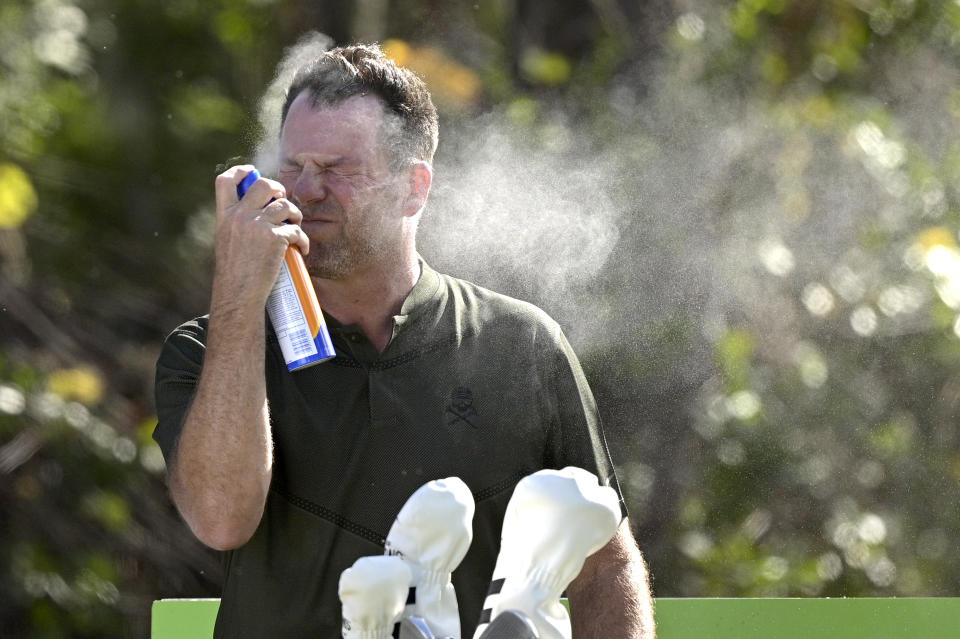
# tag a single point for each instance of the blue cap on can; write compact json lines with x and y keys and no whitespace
{"x":247,"y":182}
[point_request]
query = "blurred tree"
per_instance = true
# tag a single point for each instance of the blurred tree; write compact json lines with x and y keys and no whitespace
{"x":824,"y":208}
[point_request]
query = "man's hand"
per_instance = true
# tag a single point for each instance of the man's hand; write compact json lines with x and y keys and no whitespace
{"x":221,"y":470}
{"x":251,"y":238}
{"x":611,"y":595}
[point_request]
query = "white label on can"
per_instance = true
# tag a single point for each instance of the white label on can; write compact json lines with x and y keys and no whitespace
{"x":289,"y":321}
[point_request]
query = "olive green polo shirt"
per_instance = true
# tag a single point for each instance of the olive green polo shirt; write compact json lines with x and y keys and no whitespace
{"x":473,"y":384}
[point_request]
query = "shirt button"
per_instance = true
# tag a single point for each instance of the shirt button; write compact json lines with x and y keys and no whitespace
{"x":355,"y":338}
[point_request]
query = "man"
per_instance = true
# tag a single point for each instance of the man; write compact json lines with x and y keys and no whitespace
{"x":296,"y":475}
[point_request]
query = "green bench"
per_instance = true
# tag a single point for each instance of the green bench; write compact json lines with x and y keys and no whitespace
{"x":914,"y":618}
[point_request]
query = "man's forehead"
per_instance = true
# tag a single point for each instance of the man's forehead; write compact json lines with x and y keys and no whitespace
{"x":366,"y":110}
{"x":343,"y":128}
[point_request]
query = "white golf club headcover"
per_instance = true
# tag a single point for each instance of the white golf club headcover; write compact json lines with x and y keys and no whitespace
{"x":373,"y":593}
{"x":554,"y":521}
{"x":431,"y":534}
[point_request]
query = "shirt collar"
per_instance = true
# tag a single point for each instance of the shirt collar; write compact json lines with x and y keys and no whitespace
{"x":422,"y":293}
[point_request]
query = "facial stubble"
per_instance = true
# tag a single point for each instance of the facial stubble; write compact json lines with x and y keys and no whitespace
{"x":363,"y":237}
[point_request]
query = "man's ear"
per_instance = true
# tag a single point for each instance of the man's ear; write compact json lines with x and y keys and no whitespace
{"x":420,"y":177}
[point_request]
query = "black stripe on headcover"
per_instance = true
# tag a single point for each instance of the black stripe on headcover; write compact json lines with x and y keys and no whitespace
{"x":495,"y":587}
{"x":485,"y":616}
{"x":412,"y":596}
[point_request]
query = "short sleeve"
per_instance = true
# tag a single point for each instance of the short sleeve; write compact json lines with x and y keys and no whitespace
{"x":577,"y":437}
{"x":178,"y":371}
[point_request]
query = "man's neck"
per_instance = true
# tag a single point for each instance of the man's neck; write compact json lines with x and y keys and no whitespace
{"x":370,"y":298}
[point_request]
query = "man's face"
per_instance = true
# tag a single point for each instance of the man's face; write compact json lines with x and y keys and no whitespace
{"x":335,"y":170}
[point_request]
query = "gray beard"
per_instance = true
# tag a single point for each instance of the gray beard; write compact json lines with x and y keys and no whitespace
{"x":341,"y":258}
{"x":351,"y":250}
{"x":334,"y":262}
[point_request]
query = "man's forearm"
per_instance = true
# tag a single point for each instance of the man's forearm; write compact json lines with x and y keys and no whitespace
{"x":221,"y":471}
{"x":611,"y":597}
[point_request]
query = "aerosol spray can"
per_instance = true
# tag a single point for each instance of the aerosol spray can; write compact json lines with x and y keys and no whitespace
{"x":293,"y":307}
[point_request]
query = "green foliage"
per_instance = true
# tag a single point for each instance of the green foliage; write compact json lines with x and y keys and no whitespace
{"x":545,"y":67}
{"x":81,"y":508}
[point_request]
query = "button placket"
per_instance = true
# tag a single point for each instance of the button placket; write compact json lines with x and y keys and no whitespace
{"x":381,"y":413}
{"x":357,"y":344}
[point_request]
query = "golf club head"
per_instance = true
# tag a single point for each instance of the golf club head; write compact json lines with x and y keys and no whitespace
{"x":414,"y":628}
{"x":511,"y":624}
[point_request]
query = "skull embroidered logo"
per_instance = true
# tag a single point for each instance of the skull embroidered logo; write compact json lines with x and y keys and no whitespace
{"x":461,"y":407}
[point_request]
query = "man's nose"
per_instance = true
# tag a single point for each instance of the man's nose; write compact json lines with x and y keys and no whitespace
{"x":310,"y":186}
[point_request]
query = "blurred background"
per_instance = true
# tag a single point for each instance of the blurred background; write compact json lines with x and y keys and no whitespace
{"x":743,"y":213}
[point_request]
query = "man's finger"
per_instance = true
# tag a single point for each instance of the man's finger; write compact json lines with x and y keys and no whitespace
{"x":294,"y":236}
{"x":226,"y":185}
{"x":282,"y":210}
{"x":262,"y":192}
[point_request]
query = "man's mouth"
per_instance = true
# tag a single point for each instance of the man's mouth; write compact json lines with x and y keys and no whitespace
{"x":316,"y":223}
